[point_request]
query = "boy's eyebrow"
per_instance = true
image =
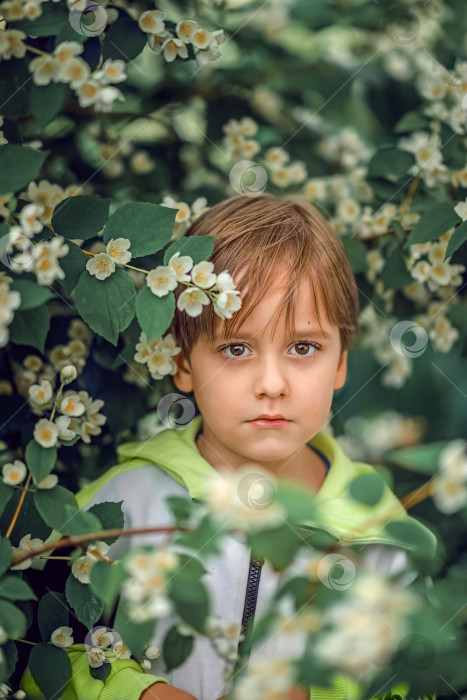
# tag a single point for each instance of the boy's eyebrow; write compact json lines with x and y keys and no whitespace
{"x":315,"y":332}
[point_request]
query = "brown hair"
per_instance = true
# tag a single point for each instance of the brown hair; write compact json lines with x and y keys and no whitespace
{"x":255,"y":235}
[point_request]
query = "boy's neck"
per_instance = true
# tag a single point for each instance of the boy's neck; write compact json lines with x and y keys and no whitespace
{"x":308,"y":468}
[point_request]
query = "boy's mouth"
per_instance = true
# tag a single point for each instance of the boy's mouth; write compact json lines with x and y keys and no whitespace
{"x":267,"y":422}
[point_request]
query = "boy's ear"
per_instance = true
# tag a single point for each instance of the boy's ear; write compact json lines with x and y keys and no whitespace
{"x":341,"y":372}
{"x":183,"y":379}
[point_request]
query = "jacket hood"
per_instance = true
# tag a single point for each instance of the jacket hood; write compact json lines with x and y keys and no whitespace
{"x":176,"y":452}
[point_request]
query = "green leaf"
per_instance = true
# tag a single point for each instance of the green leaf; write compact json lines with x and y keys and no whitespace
{"x":18,"y":166}
{"x":148,"y":226}
{"x":297,"y":503}
{"x":367,"y":489}
{"x":277,"y":545}
{"x":52,"y":613}
{"x":154,"y":313}
{"x":30,"y":327}
{"x":86,"y":605}
{"x":135,"y":635}
{"x":123,"y":38}
{"x":10,"y":659}
{"x":436,"y":220}
{"x":110,"y":516}
{"x":176,"y":648}
{"x":190,"y":599}
{"x":12,"y":619}
{"x":101,"y":673}
{"x":410,"y":121}
{"x":423,"y":459}
{"x":15,"y":588}
{"x":181,"y":509}
{"x":204,"y":537}
{"x":390,"y":164}
{"x":395,"y":274}
{"x":6,"y":554}
{"x":40,"y":461}
{"x":197,"y":247}
{"x":106,"y":582}
{"x":46,"y":101}
{"x":32,"y":294}
{"x":80,"y":522}
{"x":81,"y":216}
{"x":73,"y":265}
{"x":459,"y":236}
{"x":6,"y":492}
{"x":412,"y":535}
{"x":107,"y":306}
{"x":51,"y":505}
{"x":51,"y":669}
{"x":355,"y":251}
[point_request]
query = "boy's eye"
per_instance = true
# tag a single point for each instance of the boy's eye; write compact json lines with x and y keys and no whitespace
{"x":237,"y":349}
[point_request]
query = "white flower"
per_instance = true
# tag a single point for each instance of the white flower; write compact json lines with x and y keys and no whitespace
{"x":348,"y":210}
{"x":11,"y":44}
{"x":226,"y":303}
{"x":46,"y":433}
{"x":67,"y":49}
{"x":118,"y":250}
{"x":112,"y":71}
{"x":102,"y":637}
{"x":146,"y":664}
{"x":153,"y":652}
{"x":181,"y":265}
{"x":74,"y":71}
{"x":461,"y":210}
{"x":62,"y":637}
{"x":96,"y":657}
{"x":64,"y":432}
{"x":152,"y":21}
{"x":202,"y":274}
{"x":26,"y":544}
{"x":192,"y":301}
{"x":421,"y":270}
{"x":81,"y":568}
{"x":88,"y":93}
{"x":201,"y":38}
{"x":49,"y":482}
{"x":14,"y":472}
{"x":72,"y":405}
{"x":161,"y":280}
{"x":68,"y":373}
{"x":185,"y":28}
{"x":94,"y":550}
{"x":101,"y":265}
{"x":106,"y":96}
{"x":121,"y":651}
{"x":199,"y":206}
{"x":172,"y":48}
{"x":41,"y":393}
{"x":29,"y":219}
{"x":244,"y":497}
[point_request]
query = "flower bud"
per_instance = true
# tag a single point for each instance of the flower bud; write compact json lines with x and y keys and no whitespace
{"x":153,"y":652}
{"x":68,"y":374}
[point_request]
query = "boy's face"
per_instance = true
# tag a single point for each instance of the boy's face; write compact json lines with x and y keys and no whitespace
{"x":258,"y":375}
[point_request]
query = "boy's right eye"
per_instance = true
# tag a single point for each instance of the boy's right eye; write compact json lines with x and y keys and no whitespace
{"x":227,"y":347}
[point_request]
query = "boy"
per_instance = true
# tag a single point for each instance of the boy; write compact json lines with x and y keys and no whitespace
{"x":291,"y":270}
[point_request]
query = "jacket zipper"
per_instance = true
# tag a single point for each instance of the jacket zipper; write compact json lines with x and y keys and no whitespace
{"x":249,"y":608}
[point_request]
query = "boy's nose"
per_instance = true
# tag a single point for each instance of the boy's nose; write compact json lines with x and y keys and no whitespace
{"x":271,"y":379}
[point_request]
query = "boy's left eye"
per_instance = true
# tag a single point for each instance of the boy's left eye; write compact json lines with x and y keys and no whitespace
{"x":301,"y":344}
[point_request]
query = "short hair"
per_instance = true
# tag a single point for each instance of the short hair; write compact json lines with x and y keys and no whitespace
{"x":255,"y":235}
